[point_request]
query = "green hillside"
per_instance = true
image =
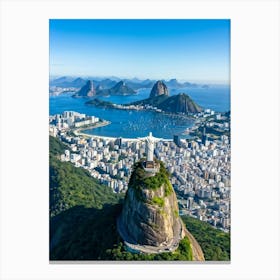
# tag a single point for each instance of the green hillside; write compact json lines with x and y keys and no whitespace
{"x":56,"y":147}
{"x":91,"y":234}
{"x":214,"y":243}
{"x":83,"y":220}
{"x":179,"y":103}
{"x":71,"y":186}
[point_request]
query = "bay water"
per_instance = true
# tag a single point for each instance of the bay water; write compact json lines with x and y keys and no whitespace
{"x":133,"y":124}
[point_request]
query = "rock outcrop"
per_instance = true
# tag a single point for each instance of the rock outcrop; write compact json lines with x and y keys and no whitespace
{"x":150,"y":214}
{"x":159,"y":88}
{"x":149,"y":222}
{"x":88,"y":90}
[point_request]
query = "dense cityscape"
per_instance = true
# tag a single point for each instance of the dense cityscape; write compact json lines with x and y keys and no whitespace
{"x":199,"y":166}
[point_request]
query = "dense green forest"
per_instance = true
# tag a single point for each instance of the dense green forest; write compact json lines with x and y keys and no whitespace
{"x":71,"y":186}
{"x":91,"y":234}
{"x":214,"y":243}
{"x":83,"y":220}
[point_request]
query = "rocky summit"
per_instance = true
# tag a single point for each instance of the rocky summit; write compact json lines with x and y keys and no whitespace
{"x":88,"y":90}
{"x":150,"y":220}
{"x":159,"y":88}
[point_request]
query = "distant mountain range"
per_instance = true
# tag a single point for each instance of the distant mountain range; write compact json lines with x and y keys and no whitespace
{"x":68,"y":82}
{"x":89,"y":89}
{"x":159,"y":98}
{"x":121,"y":88}
{"x":107,"y":83}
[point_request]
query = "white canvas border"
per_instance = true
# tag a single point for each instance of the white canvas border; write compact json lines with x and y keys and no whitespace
{"x":255,"y":138}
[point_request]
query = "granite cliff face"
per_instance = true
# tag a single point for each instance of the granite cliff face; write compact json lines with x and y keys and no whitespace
{"x":150,"y":211}
{"x":149,"y":222}
{"x":88,"y":90}
{"x":159,"y":88}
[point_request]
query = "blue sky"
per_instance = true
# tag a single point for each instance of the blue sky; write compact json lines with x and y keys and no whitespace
{"x":191,"y":50}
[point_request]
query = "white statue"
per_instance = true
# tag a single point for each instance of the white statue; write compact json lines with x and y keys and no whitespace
{"x":150,"y":145}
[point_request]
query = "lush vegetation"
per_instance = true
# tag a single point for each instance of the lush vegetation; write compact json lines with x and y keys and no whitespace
{"x":83,"y":217}
{"x":100,"y":103}
{"x":90,"y":234}
{"x":71,"y":186}
{"x":80,"y":208}
{"x":139,"y":179}
{"x":56,"y":147}
{"x":180,"y":103}
{"x":173,"y":104}
{"x":183,"y":253}
{"x":214,"y":243}
{"x":158,"y":201}
{"x":153,"y":101}
{"x":81,"y":233}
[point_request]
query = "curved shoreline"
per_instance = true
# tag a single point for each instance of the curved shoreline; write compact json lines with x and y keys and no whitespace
{"x":126,"y":107}
{"x":78,"y":132}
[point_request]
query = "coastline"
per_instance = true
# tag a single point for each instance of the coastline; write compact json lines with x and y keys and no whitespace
{"x":78,"y":132}
{"x":130,"y":107}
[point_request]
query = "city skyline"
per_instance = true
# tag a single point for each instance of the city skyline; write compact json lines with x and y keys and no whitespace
{"x":194,"y":50}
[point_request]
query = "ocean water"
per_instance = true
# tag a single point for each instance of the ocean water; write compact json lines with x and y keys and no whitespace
{"x":132,"y":124}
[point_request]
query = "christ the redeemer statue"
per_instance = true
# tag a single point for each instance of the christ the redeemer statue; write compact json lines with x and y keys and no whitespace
{"x":150,"y":146}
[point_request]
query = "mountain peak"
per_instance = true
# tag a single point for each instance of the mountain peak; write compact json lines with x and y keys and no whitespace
{"x":120,"y":84}
{"x":150,"y":215}
{"x":121,"y":88}
{"x":159,"y":88}
{"x":88,"y":90}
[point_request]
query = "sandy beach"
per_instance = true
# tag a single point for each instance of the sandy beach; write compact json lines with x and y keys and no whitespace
{"x":79,"y":132}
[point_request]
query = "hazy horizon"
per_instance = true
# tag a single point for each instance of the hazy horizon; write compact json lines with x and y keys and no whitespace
{"x":112,"y":77}
{"x":188,"y":50}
